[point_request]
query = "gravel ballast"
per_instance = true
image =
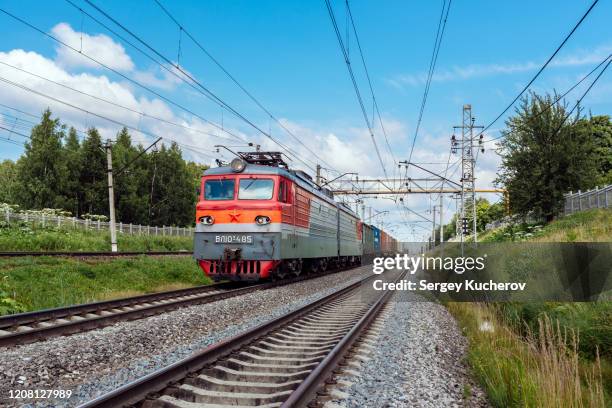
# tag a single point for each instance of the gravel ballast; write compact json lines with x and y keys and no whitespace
{"x":417,"y":359}
{"x":98,"y":361}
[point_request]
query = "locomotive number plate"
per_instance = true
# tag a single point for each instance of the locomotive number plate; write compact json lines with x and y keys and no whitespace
{"x":234,"y":239}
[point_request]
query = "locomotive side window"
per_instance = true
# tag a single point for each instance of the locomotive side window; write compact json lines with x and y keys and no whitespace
{"x":219,"y":189}
{"x":255,"y":189}
{"x":282,"y":192}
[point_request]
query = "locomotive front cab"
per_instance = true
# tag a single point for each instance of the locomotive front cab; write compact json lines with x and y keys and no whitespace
{"x":238,"y":222}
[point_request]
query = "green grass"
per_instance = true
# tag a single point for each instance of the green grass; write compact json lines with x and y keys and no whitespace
{"x":33,"y":283}
{"x":585,"y":226}
{"x":528,"y":371}
{"x":520,"y":364}
{"x":26,"y":238}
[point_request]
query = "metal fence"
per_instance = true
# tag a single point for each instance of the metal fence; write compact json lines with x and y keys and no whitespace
{"x":47,"y":220}
{"x":586,"y":200}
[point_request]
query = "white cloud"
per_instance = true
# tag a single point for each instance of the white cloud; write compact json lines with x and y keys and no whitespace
{"x":100,"y":47}
{"x":161,"y":78}
{"x":480,"y":70}
{"x":102,"y":87}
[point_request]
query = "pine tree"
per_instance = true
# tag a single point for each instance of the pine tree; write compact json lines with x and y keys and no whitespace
{"x":93,"y":180}
{"x":41,"y":169}
{"x":9,"y":185}
{"x":72,"y":157}
{"x":172,"y":198}
{"x":130,"y":199}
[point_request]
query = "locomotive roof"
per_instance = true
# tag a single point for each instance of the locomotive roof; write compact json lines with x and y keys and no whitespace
{"x":298,"y":177}
{"x":249,"y":169}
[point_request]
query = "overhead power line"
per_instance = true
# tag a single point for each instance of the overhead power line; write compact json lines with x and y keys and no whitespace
{"x":11,"y":141}
{"x":187,"y":75}
{"x":105,"y":66}
{"x":355,"y":86}
{"x":582,"y":97}
{"x":121,"y":124}
{"x":144,"y":114}
{"x":432,"y":67}
{"x":15,"y":133}
{"x":193,"y":149}
{"x":550,"y":105}
{"x":235,"y":81}
{"x":567,"y":37}
{"x":365,"y":67}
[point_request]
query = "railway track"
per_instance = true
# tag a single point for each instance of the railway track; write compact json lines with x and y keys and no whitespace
{"x":281,"y":363}
{"x":31,"y":327}
{"x":82,"y":254}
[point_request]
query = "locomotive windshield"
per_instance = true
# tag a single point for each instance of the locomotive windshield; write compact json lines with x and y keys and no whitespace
{"x":255,"y":189}
{"x":219,"y":189}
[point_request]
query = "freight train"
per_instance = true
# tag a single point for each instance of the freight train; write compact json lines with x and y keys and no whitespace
{"x":257,"y":219}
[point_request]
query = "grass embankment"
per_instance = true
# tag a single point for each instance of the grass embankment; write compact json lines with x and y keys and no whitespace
{"x":44,"y":282}
{"x":33,"y":283}
{"x":586,"y":226}
{"x":541,"y":369}
{"x":26,"y":238}
{"x":543,"y":354}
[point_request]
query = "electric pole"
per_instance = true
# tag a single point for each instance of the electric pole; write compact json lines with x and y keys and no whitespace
{"x":111,"y":196}
{"x":467,"y":208}
{"x":318,"y":178}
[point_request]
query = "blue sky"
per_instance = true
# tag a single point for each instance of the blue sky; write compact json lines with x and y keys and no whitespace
{"x":286,"y":54}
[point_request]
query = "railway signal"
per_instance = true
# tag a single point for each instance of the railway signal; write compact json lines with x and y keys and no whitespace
{"x":465,"y":226}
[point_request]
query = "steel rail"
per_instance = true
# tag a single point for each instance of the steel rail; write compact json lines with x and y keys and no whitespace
{"x":151,"y":385}
{"x":101,"y":320}
{"x":307,"y":390}
{"x":60,"y":312}
{"x":84,"y":317}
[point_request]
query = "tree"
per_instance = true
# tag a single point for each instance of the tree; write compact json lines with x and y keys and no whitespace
{"x":93,"y":178}
{"x":545,"y":154}
{"x":487,"y":212}
{"x":600,"y":128}
{"x":172,"y":193}
{"x":41,"y":170}
{"x":9,"y":184}
{"x":195,"y":171}
{"x":450,"y":228}
{"x":130,"y":195}
{"x":72,"y":158}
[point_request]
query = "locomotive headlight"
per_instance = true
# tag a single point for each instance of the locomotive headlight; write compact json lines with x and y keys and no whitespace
{"x":237,"y":165}
{"x":207,"y":220}
{"x":262,"y":220}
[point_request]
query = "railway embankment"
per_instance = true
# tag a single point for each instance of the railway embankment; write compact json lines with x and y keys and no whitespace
{"x":543,"y":353}
{"x":34,"y":283}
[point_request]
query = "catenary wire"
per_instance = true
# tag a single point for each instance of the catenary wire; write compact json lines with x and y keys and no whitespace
{"x":432,"y":67}
{"x":354,"y":81}
{"x":105,"y":66}
{"x":214,"y":96}
{"x":550,"y":105}
{"x":235,"y":81}
{"x":567,"y":37}
{"x":365,"y":67}
{"x":144,"y":114}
